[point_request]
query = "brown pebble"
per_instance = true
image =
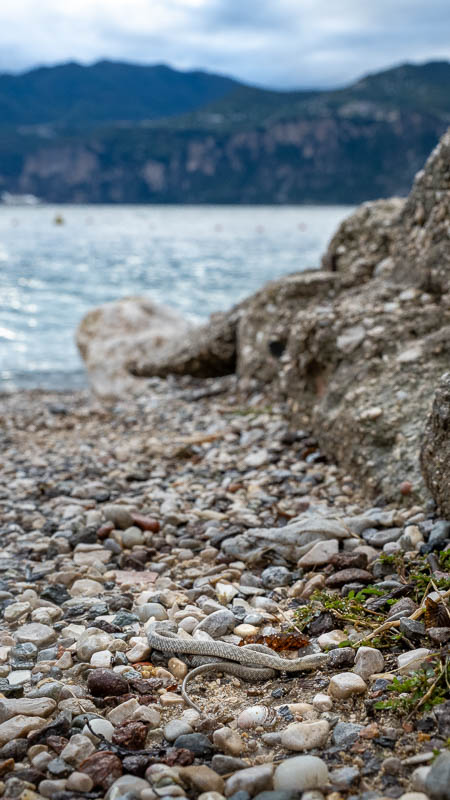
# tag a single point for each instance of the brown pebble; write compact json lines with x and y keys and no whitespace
{"x":146,"y":523}
{"x":104,"y":530}
{"x":6,"y":766}
{"x":349,"y":576}
{"x":104,"y":768}
{"x":349,"y":560}
{"x":106,"y":683}
{"x":406,"y":488}
{"x":131,"y":735}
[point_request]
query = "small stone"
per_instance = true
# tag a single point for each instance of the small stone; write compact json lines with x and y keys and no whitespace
{"x":345,"y":777}
{"x":402,"y":608}
{"x":437,"y":782}
{"x":322,"y":702}
{"x":103,"y":767}
{"x":48,"y":788}
{"x":346,"y":733}
{"x":123,"y":712}
{"x":37,"y":634}
{"x":411,"y":661}
{"x":418,"y":779}
{"x":276,"y":576}
{"x":119,"y":515}
{"x":19,"y":726}
{"x":228,"y":741}
{"x":368,"y":661}
{"x":300,"y":773}
{"x":251,"y":780}
{"x":305,"y":735}
{"x":341,"y":657}
{"x":412,"y":627}
{"x":102,"y":659}
{"x":349,"y":576}
{"x":439,"y":635}
{"x":26,"y":706}
{"x":244,"y":630}
{"x":85,"y":587}
{"x":78,"y":748}
{"x":178,"y":668}
{"x":101,"y":727}
{"x":346,"y":685}
{"x":128,"y":786}
{"x":218,"y":623}
{"x":320,"y":554}
{"x":331,"y":639}
{"x":79,"y":782}
{"x":202,"y":779}
{"x":131,"y":735}
{"x":149,"y":610}
{"x":175,"y":728}
{"x":224,"y":765}
{"x":91,"y":642}
{"x":106,"y":683}
{"x":197,"y":743}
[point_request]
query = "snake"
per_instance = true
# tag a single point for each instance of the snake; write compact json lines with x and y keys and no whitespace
{"x":252,"y":662}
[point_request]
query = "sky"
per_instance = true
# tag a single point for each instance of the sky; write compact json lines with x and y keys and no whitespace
{"x":281,"y":44}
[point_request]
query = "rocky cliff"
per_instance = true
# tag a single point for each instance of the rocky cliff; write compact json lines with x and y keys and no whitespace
{"x":249,"y":146}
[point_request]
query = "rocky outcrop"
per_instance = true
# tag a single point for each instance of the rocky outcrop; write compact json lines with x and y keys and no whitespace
{"x":111,"y":336}
{"x":358,"y":346}
{"x":435,"y":454}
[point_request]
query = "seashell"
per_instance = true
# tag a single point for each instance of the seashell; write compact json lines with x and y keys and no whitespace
{"x":255,"y":716}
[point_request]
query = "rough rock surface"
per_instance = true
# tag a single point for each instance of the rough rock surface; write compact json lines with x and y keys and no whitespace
{"x":435,"y":454}
{"x":357,"y":347}
{"x":108,"y":338}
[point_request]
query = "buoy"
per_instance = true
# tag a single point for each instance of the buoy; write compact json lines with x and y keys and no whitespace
{"x":59,"y":220}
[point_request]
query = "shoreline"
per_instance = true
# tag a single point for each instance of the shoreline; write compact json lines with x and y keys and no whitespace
{"x":170,"y":508}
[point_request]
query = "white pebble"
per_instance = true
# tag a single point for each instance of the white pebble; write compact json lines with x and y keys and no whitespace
{"x":300,"y":773}
{"x":345,"y":685}
{"x":305,"y":735}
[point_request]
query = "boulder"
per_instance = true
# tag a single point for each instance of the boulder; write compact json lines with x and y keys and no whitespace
{"x":110,"y":336}
{"x":207,"y":351}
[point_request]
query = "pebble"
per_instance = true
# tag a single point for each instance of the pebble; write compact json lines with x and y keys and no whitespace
{"x":368,"y":661}
{"x":37,"y":634}
{"x":346,"y":733}
{"x":300,"y":773}
{"x":218,"y":623}
{"x":126,"y":785}
{"x":320,"y":554}
{"x":305,"y":735}
{"x":346,"y":685}
{"x":322,"y":702}
{"x":411,"y":660}
{"x":197,"y":743}
{"x":437,"y":782}
{"x":175,"y":728}
{"x":251,"y":780}
{"x":331,"y":639}
{"x":228,"y":741}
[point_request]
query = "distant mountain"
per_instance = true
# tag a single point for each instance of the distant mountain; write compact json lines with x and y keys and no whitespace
{"x":121,"y":133}
{"x":106,"y":91}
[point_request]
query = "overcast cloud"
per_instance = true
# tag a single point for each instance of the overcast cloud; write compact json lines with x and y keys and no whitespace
{"x":276,"y":43}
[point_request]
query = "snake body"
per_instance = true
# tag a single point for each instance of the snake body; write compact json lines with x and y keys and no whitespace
{"x":252,"y":662}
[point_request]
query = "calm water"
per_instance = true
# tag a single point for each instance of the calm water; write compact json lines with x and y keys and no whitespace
{"x":195,"y":259}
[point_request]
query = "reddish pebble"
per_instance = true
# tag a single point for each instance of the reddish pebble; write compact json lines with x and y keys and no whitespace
{"x":105,"y":530}
{"x":146,"y":523}
{"x":406,"y":487}
{"x":104,"y":768}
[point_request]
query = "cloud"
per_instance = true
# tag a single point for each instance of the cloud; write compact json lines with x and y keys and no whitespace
{"x":283,"y":44}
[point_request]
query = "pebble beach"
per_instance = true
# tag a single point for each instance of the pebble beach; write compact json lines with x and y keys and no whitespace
{"x":175,"y":508}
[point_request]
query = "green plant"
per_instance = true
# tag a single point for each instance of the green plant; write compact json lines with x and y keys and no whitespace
{"x":426,"y":687}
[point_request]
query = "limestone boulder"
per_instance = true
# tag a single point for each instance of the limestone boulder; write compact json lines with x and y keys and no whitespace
{"x":111,"y":336}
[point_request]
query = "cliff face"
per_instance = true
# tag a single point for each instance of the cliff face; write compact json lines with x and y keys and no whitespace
{"x":248,"y":146}
{"x":331,"y":160}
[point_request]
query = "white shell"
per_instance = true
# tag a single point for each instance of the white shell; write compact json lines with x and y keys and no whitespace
{"x":254,"y":716}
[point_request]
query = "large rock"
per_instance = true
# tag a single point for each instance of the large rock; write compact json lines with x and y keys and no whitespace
{"x":358,"y":346}
{"x":207,"y":351}
{"x":435,"y":455}
{"x":111,"y":336}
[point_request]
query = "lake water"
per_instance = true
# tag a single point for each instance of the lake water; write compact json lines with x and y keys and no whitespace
{"x":196,"y":259}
